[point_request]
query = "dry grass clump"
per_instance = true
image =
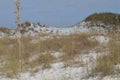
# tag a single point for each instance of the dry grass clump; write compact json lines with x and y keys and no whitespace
{"x":9,"y":49}
{"x":44,"y":60}
{"x":105,"y":64}
{"x":9,"y":57}
{"x":70,"y":45}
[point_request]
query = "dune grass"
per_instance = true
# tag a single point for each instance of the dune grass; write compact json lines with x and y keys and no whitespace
{"x":69,"y":45}
{"x":105,"y":64}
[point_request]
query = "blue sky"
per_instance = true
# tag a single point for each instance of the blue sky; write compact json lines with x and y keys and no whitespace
{"x":55,"y":12}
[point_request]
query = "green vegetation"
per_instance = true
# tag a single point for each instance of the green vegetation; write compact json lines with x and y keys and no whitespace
{"x":25,"y":24}
{"x":5,"y":30}
{"x":106,"y":18}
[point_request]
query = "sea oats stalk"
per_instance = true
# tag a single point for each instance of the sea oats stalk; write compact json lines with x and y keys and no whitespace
{"x":17,"y":12}
{"x":18,"y":22}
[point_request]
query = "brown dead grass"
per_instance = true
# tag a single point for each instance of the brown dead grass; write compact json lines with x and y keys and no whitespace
{"x":70,"y":45}
{"x":105,"y":64}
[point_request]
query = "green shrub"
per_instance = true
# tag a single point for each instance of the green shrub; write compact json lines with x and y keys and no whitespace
{"x":106,"y":18}
{"x":5,"y":30}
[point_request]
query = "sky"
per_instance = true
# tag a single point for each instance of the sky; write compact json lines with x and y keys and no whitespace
{"x":59,"y":13}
